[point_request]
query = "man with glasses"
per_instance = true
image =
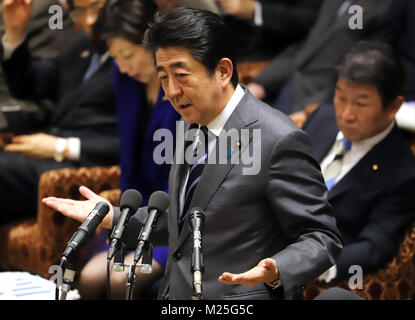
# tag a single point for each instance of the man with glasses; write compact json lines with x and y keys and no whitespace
{"x":82,"y":130}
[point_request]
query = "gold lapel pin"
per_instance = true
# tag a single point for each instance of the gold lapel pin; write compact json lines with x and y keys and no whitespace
{"x":375,"y":167}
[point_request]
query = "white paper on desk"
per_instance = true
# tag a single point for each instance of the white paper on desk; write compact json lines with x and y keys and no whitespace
{"x":25,"y":286}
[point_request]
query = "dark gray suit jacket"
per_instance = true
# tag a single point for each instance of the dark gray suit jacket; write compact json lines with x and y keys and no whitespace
{"x":282,"y":212}
{"x":310,"y":69}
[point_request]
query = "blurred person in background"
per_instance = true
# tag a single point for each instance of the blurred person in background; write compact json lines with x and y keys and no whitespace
{"x":82,"y":130}
{"x":261,"y":29}
{"x":44,"y":42}
{"x":303,"y":76}
{"x":142,"y":110}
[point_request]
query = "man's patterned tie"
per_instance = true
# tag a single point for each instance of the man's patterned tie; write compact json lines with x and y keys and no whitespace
{"x":200,"y":154}
{"x":334,"y":168}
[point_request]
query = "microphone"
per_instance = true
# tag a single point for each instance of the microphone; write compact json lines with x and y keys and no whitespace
{"x":157,"y":204}
{"x":196,"y":225}
{"x":86,"y":229}
{"x":129,"y":203}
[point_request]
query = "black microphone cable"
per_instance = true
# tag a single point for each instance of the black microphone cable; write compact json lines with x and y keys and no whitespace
{"x":129,"y":203}
{"x":157,"y":205}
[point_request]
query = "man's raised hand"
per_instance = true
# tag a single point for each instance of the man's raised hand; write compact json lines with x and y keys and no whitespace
{"x":16,"y":16}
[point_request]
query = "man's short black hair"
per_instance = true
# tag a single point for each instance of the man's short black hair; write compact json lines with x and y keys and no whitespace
{"x":201,"y":32}
{"x":377,"y":64}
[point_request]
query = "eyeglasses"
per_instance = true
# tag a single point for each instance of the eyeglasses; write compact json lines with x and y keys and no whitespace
{"x":80,"y":12}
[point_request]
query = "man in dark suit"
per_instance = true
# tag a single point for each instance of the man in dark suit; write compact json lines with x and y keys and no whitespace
{"x":43,"y":42}
{"x":82,"y":130}
{"x":302,"y":76}
{"x":397,"y":28}
{"x":372,"y":192}
{"x":269,"y":229}
{"x":263,"y":28}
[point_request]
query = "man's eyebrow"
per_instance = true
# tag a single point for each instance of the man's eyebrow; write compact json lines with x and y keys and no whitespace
{"x":160,"y":68}
{"x":363,"y":96}
{"x":178,"y":64}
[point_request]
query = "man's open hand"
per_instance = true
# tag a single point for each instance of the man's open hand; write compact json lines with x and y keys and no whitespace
{"x":265,"y":272}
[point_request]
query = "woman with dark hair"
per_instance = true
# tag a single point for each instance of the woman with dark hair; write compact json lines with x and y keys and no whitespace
{"x":142,"y":109}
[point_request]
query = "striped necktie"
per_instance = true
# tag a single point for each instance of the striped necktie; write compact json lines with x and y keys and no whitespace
{"x":200,"y":155}
{"x":334,"y":168}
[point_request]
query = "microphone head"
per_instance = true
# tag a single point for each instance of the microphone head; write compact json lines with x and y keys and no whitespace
{"x":131,"y":199}
{"x":101,"y":210}
{"x":159,"y":200}
{"x":197,"y":218}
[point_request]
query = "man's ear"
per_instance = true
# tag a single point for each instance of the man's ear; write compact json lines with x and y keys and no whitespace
{"x":394,"y":106}
{"x":224,"y":71}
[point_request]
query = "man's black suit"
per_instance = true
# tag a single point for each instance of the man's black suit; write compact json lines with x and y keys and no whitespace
{"x":374,"y":202}
{"x":43,"y":42}
{"x":83,"y":109}
{"x":397,"y":28}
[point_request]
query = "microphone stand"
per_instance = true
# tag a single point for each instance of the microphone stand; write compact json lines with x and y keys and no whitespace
{"x":158,"y":204}
{"x":197,"y":271}
{"x":197,"y":266}
{"x":68,"y":280}
{"x":119,"y":265}
{"x":144,"y":251}
{"x":130,"y":282}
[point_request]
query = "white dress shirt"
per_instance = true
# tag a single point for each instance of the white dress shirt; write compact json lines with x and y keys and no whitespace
{"x":357,"y":152}
{"x":214,"y":129}
{"x":350,"y":159}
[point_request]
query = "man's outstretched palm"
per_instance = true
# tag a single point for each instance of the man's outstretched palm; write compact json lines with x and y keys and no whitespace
{"x":79,"y":209}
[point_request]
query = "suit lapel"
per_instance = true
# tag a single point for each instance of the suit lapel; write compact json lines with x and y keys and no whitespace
{"x":72,"y":82}
{"x":370,"y":167}
{"x":81,"y":87}
{"x":322,"y":137}
{"x":213,"y":175}
{"x":324,"y":140}
{"x":177,"y":171}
